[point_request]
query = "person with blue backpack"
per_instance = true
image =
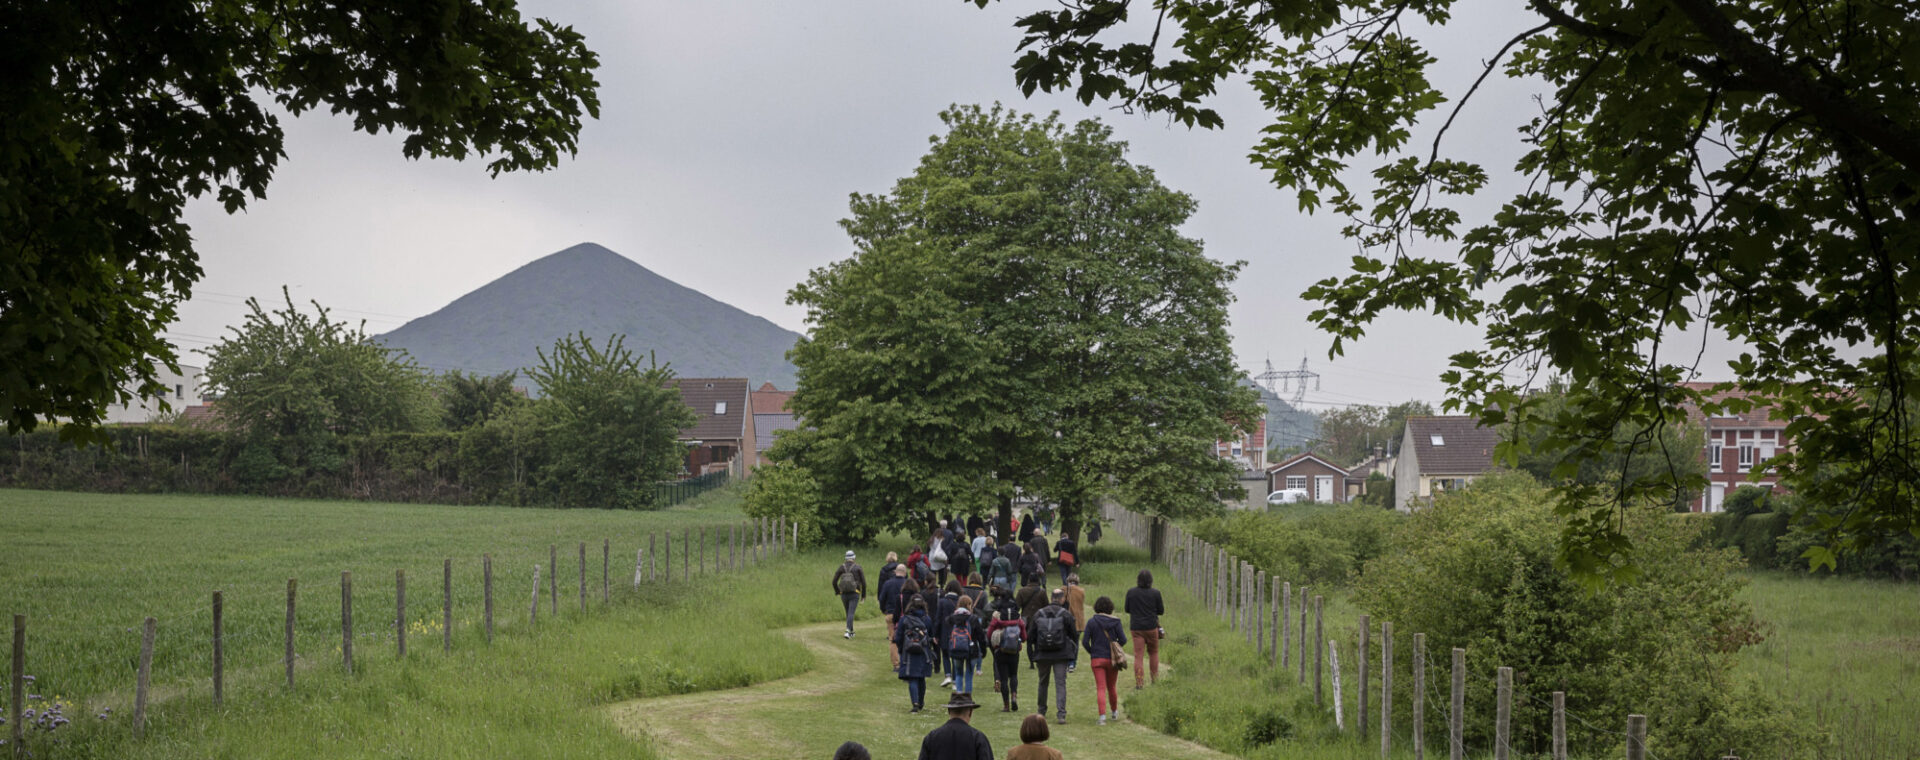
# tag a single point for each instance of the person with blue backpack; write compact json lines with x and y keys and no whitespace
{"x":915,"y":638}
{"x":964,"y":636}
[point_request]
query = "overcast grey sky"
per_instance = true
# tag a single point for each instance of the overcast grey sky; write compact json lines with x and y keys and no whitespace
{"x":730,"y":136}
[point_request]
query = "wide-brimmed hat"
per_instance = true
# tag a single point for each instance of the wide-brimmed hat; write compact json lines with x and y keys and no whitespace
{"x":961,"y":700}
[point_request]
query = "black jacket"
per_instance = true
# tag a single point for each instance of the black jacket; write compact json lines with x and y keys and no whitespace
{"x":1144,"y":609}
{"x":956,"y":741}
{"x":890,"y":595}
{"x":1066,"y":546}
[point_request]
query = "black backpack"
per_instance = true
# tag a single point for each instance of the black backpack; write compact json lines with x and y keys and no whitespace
{"x":1050,"y":629}
{"x":915,"y":637}
{"x":1030,"y":565}
{"x":848,"y":583}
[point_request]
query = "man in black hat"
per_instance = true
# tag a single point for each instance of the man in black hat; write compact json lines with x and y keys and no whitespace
{"x":957,"y":739}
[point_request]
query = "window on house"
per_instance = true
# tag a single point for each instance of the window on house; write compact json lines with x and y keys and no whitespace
{"x":1297,"y":481}
{"x":1713,"y":456}
{"x":1236,"y":448}
{"x":1438,"y":441}
{"x":179,"y":391}
{"x":719,"y":407}
{"x":1746,"y":457}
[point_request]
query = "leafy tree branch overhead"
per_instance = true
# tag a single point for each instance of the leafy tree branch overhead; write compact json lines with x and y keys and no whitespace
{"x":120,"y":111}
{"x":1753,"y":165}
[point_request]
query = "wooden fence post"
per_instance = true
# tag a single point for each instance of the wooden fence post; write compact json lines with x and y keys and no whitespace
{"x":1333,"y":659}
{"x":1286,"y":622}
{"x":486,"y":591}
{"x":1273,"y":628}
{"x":1386,"y":689}
{"x":19,"y":678}
{"x":346,"y":620}
{"x":1419,"y":696}
{"x":1360,"y":663}
{"x":1636,"y":737}
{"x":219,"y":653}
{"x":1319,"y":643}
{"x":142,"y":679}
{"x":653,"y":568}
{"x":446,"y":605}
{"x":1456,"y":716}
{"x":400,"y":610}
{"x":1304,"y":651}
{"x":292,"y":587}
{"x":533,"y":614}
{"x":1502,"y":712}
{"x":639,"y":564}
{"x":606,"y":570}
{"x":1260,"y":612}
{"x":1559,"y":725}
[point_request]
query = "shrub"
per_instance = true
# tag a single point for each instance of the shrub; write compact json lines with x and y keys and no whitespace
{"x":1478,"y":570}
{"x":784,"y":490}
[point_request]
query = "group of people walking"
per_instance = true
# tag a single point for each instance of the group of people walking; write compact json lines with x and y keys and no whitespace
{"x":956,"y":605}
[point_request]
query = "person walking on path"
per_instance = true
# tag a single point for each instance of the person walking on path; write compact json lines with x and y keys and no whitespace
{"x":980,"y":543}
{"x":909,"y":591}
{"x":915,"y":640}
{"x":1093,"y":534}
{"x":1031,"y":598}
{"x":1002,"y":572}
{"x":890,"y":585}
{"x":1067,"y":555}
{"x":957,"y":739}
{"x":886,"y":570}
{"x":1103,"y":638}
{"x":1144,"y":609}
{"x":851,"y":583}
{"x":1026,"y":527}
{"x":949,"y":600}
{"x":1033,"y":732}
{"x":937,"y":555}
{"x":1054,"y":648}
{"x":1040,"y":549}
{"x":1077,"y":604}
{"x":1007,"y":634}
{"x":964,"y":636}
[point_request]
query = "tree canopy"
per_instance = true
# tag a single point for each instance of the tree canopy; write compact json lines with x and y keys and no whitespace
{"x":612,"y":424}
{"x":1750,"y":164}
{"x":1021,"y":312}
{"x":120,"y":111}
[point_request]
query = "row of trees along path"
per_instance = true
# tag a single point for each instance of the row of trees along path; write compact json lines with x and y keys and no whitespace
{"x":1272,"y":616}
{"x":745,"y":544}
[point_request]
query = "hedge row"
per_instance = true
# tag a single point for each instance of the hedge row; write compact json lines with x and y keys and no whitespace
{"x":477,"y":466}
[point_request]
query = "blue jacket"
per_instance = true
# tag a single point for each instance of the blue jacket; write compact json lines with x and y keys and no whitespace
{"x":1103,"y":631}
{"x":916,"y":665}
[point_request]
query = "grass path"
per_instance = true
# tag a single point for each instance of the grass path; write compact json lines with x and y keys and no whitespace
{"x":853,"y":695}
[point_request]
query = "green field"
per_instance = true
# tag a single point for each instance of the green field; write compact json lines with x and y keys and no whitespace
{"x":737,"y":665}
{"x":86,"y":569}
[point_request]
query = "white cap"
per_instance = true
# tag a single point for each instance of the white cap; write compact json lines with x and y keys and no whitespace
{"x":849,"y":554}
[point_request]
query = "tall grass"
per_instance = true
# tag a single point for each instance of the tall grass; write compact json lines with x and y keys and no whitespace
{"x":1845,"y":653}
{"x":87,"y":568}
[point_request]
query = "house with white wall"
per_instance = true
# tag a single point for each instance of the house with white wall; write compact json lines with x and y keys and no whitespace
{"x":1439,"y":454}
{"x":183,"y":390}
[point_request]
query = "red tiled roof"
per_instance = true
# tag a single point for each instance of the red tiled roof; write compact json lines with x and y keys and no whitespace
{"x":1465,"y":447}
{"x":770,"y":400}
{"x":1760,"y":416}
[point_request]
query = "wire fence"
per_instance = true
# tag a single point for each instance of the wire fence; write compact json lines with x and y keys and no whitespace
{"x":290,"y":625}
{"x":1262,"y":608}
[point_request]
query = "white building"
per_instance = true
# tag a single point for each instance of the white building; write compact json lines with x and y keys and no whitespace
{"x":183,"y":390}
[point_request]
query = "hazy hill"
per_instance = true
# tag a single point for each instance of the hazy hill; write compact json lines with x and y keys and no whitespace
{"x":587,"y":287}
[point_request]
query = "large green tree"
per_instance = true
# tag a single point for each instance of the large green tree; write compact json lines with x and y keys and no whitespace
{"x":293,"y":381}
{"x":612,"y":424}
{"x":117,"y":112}
{"x":1348,"y":434}
{"x":1750,"y":164}
{"x":1020,"y":312}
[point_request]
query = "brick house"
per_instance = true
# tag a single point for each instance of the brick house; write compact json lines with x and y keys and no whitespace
{"x":1440,"y":454}
{"x":770,"y":415}
{"x":1737,"y":445}
{"x":1323,"y":481}
{"x":1248,"y":448}
{"x":722,"y":436}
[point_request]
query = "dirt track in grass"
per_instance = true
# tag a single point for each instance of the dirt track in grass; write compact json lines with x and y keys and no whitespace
{"x":852,"y":694}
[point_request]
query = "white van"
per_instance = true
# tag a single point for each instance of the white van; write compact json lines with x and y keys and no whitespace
{"x":1287,"y":496}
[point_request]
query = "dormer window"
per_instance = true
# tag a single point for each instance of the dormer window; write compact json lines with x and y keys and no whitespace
{"x":719,"y":408}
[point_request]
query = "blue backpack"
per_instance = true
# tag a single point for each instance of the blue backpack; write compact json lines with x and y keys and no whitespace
{"x":960,"y":640}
